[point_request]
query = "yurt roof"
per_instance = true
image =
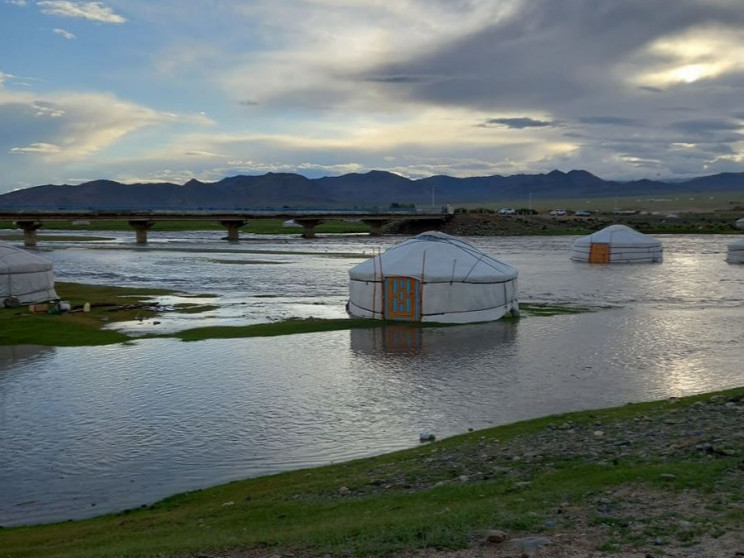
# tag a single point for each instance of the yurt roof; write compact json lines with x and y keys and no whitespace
{"x":618,"y":235}
{"x":435,"y":257}
{"x":16,"y":260}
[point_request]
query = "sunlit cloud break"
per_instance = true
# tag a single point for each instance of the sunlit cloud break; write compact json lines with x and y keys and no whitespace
{"x":93,"y":11}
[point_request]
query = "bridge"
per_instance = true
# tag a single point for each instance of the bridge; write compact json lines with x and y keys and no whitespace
{"x":31,"y":220}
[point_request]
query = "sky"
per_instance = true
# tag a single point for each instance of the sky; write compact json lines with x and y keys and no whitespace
{"x":170,"y":90}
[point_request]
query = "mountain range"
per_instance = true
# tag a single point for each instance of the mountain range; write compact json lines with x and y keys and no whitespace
{"x":375,"y":188}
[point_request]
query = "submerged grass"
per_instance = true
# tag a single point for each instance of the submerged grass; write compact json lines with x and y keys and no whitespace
{"x":407,"y":500}
{"x":286,"y":327}
{"x":538,"y":309}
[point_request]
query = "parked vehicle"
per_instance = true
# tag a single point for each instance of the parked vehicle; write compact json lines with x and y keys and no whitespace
{"x":583,"y":213}
{"x":558,"y":212}
{"x":507,"y":211}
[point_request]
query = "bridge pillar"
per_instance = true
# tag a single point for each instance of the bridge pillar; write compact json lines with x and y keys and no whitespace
{"x":308,"y":226}
{"x":233,"y":228}
{"x":375,"y":225}
{"x":29,"y":231}
{"x":140,"y":228}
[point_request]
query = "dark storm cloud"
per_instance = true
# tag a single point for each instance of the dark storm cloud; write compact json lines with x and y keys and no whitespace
{"x":550,"y":52}
{"x":651,"y":89}
{"x":706,"y":126}
{"x":518,"y":123}
{"x":395,"y":78}
{"x":612,"y":120}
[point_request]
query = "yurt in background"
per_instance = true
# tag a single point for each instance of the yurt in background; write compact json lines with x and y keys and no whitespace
{"x":616,"y":244}
{"x":25,"y":278}
{"x":433,"y":277}
{"x":739,"y":224}
{"x":736,"y":252}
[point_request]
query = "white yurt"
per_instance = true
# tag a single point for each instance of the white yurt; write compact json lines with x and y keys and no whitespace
{"x":25,"y":278}
{"x":736,"y":252}
{"x":739,"y":224}
{"x":433,"y":277}
{"x":616,"y":244}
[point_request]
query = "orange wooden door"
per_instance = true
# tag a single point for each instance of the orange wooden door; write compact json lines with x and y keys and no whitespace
{"x":402,"y":299}
{"x":599,"y":252}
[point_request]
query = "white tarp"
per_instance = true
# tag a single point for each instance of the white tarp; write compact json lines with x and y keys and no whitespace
{"x":451,"y":282}
{"x":736,"y":252}
{"x":25,"y":276}
{"x":619,"y":244}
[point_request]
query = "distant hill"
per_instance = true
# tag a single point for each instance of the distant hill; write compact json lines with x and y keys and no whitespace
{"x":375,"y":188}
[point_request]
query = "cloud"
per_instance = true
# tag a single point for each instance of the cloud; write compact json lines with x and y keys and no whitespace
{"x":612,"y":120}
{"x":701,"y":53}
{"x":65,"y":34}
{"x":44,"y":148}
{"x":68,"y":127}
{"x":519,"y":123}
{"x":203,"y":154}
{"x":16,"y":2}
{"x":707,"y":127}
{"x":416,"y":86}
{"x":93,"y":11}
{"x":395,"y":78}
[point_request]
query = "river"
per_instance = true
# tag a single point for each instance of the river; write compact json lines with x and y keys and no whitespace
{"x":91,"y":430}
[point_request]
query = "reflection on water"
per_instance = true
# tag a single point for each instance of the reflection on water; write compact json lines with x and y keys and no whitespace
{"x":431,"y":342}
{"x":90,"y":430}
{"x":15,"y":355}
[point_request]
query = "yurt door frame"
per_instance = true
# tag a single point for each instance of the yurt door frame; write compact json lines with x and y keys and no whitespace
{"x":402,"y":299}
{"x":599,"y":252}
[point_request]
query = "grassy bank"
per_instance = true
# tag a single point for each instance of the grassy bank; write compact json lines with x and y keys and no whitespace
{"x":19,"y":326}
{"x":651,"y":476}
{"x":257,"y":226}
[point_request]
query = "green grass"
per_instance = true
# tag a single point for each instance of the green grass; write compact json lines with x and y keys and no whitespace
{"x":18,"y":326}
{"x":709,"y":202}
{"x":285,"y":327}
{"x":256,"y":226}
{"x":396,"y":502}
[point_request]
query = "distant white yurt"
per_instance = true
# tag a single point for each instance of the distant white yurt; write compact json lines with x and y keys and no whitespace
{"x":616,"y":244}
{"x":736,"y":252}
{"x":433,"y":277}
{"x":739,"y":224}
{"x":25,"y":278}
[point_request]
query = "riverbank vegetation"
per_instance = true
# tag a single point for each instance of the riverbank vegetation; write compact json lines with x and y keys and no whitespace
{"x":256,"y":226}
{"x":48,"y":327}
{"x":642,"y":478}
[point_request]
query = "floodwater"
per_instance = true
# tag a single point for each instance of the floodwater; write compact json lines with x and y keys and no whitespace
{"x":90,"y":430}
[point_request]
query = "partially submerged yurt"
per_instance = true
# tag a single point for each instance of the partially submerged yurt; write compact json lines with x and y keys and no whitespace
{"x":616,"y":244}
{"x":433,"y":277}
{"x":25,"y":278}
{"x":736,"y":252}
